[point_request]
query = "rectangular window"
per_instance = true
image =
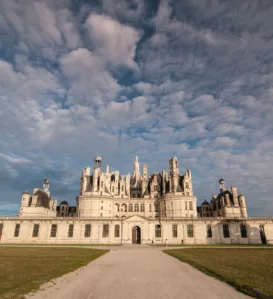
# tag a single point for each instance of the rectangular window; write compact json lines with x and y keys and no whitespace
{"x":70,"y":231}
{"x":53,"y":232}
{"x":1,"y":228}
{"x":156,"y":207}
{"x":174,"y":230}
{"x":17,"y":230}
{"x":117,"y":231}
{"x":190,"y":231}
{"x":150,"y":208}
{"x":158,"y":231}
{"x":35,"y":232}
{"x":243,"y":231}
{"x":87,"y":231}
{"x":225,"y":230}
{"x":209,"y":231}
{"x":101,"y":208}
{"x":155,"y":188}
{"x":190,"y":203}
{"x":105,"y":231}
{"x":186,"y":205}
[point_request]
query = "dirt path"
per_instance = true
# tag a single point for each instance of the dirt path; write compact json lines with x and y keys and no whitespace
{"x":134,"y":272}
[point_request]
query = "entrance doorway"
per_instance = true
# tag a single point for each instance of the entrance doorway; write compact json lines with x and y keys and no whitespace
{"x":136,"y":235}
{"x":262,"y":234}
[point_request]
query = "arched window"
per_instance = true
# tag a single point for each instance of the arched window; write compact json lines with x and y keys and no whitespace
{"x":158,"y":231}
{"x":87,"y":231}
{"x":190,"y":231}
{"x":136,"y":208}
{"x":117,"y":231}
{"x":142,"y":208}
{"x":130,"y":207}
{"x":124,"y":207}
{"x":117,"y":207}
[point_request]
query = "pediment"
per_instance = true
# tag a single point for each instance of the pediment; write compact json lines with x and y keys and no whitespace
{"x":135,"y":218}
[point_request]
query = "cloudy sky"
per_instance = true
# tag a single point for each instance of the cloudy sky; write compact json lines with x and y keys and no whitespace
{"x":122,"y":78}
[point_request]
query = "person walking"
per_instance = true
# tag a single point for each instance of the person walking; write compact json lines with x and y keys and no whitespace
{"x":166,"y":243}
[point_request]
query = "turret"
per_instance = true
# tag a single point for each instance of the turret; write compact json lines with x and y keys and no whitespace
{"x":242,"y":203}
{"x":25,"y":199}
{"x":174,"y":173}
{"x":222,"y":185}
{"x":97,"y":162}
{"x":235,"y":196}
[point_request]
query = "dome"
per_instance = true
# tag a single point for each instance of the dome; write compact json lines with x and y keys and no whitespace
{"x":46,"y":181}
{"x":98,"y":158}
{"x":204,"y":203}
{"x":64,"y":203}
{"x":221,"y":181}
{"x":26,"y":192}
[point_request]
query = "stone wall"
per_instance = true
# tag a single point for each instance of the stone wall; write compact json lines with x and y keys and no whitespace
{"x":147,"y":228}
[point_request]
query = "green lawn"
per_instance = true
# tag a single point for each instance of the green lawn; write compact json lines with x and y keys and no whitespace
{"x":248,"y":270}
{"x":59,"y":245}
{"x":23,"y":269}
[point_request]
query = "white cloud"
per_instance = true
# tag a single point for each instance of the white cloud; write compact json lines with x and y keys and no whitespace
{"x":14,"y":160}
{"x":89,"y":81}
{"x":115,"y":42}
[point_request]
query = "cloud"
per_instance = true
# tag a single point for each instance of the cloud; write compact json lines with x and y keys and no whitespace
{"x":121,"y":78}
{"x":14,"y":160}
{"x":115,"y":42}
{"x":89,"y":81}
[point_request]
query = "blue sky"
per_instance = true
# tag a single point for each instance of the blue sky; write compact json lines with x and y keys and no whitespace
{"x":149,"y":78}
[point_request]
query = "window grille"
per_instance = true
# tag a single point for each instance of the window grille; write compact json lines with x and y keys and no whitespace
{"x":53,"y":232}
{"x":243,"y":231}
{"x":174,"y":230}
{"x":117,"y":231}
{"x":105,"y":231}
{"x":87,"y":231}
{"x":225,"y":230}
{"x":209,"y":231}
{"x":17,"y":230}
{"x":70,"y":230}
{"x":35,"y":232}
{"x":190,"y":231}
{"x":158,"y":231}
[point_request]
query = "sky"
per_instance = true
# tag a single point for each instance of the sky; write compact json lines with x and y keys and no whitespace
{"x":122,"y":78}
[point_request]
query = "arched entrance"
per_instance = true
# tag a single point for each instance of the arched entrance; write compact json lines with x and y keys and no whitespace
{"x":136,"y":235}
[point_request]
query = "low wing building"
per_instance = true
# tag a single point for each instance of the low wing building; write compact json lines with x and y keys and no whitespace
{"x":141,"y":208}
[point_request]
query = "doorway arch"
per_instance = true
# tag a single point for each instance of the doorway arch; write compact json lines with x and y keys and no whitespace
{"x":136,"y":235}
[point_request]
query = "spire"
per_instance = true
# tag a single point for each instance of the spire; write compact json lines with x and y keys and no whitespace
{"x":136,"y":174}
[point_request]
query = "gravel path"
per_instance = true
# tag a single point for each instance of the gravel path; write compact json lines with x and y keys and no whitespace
{"x":136,"y":272}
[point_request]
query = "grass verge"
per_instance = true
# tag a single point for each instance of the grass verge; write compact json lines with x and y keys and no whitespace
{"x":24,"y":269}
{"x":215,"y":245}
{"x":250,"y":271}
{"x":57,"y":245}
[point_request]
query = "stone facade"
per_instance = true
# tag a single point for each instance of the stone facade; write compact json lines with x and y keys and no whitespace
{"x":142,"y":208}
